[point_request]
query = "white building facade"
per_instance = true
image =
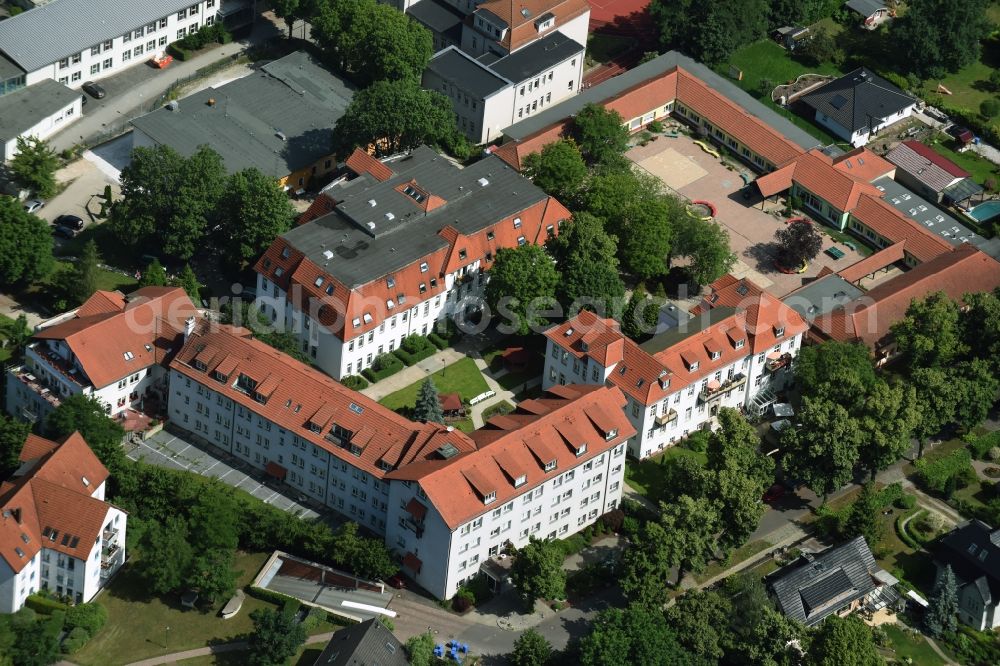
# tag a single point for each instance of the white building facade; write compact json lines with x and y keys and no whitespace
{"x":74,"y":41}
{"x":673,"y":390}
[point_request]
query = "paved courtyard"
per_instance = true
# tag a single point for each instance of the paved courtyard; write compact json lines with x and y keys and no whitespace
{"x":685,"y":168}
{"x":167,"y":450}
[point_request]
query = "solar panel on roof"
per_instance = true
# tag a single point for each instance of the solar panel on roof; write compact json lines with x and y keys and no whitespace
{"x":357,"y":409}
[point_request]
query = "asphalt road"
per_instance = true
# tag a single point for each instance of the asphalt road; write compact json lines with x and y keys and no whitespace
{"x":167,"y":450}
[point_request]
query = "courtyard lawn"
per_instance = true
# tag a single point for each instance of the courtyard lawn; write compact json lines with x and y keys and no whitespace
{"x":767,"y":60}
{"x":910,"y":649}
{"x":137,"y":621}
{"x":462,"y":377}
{"x":646,"y":476}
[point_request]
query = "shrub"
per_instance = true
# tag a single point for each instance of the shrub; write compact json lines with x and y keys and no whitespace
{"x":614,"y":520}
{"x":54,"y":625}
{"x":90,"y":617}
{"x":630,"y":526}
{"x":573,"y":544}
{"x":906,"y":502}
{"x":44,"y":605}
{"x":463,"y":600}
{"x":941,"y":475}
{"x":437,"y":340}
{"x":76,"y":639}
{"x":498,"y":409}
{"x":290,"y":607}
{"x":355,"y":382}
{"x":384,"y":365}
{"x":415,"y":344}
{"x":414,"y":349}
{"x":655,"y":126}
{"x":697,"y":441}
{"x":313,"y":618}
{"x":982,"y":445}
{"x":989,"y":108}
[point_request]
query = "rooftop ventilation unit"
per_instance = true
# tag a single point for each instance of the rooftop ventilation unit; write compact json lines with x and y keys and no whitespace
{"x":390,"y":216}
{"x":327,"y":254}
{"x":371,"y":202}
{"x":483,"y":182}
{"x":371,"y":227}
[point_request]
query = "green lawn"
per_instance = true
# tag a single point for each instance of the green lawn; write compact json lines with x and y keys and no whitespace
{"x":46,"y":292}
{"x":979,"y":167}
{"x":137,"y":621}
{"x":646,"y":476}
{"x":462,"y":377}
{"x":767,"y":60}
{"x":306,"y":656}
{"x":915,"y":648}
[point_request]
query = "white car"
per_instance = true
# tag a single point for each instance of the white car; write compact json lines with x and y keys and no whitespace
{"x":34,"y":205}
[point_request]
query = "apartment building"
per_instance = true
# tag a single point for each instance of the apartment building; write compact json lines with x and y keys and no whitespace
{"x":676,"y":382}
{"x":56,"y":531}
{"x":423,"y":486}
{"x":113,"y":347}
{"x":73,"y":41}
{"x":405,"y":244}
{"x":489,"y":94}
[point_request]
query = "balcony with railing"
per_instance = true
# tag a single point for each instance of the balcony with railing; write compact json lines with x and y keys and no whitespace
{"x":37,"y":386}
{"x":778,"y":362}
{"x":415,"y":526}
{"x":40,"y":354}
{"x":109,"y":534}
{"x":715,"y":390}
{"x":664,"y":419}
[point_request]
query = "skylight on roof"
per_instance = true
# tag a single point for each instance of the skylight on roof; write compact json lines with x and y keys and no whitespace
{"x":357,"y":409}
{"x":838,"y":101}
{"x":128,"y":356}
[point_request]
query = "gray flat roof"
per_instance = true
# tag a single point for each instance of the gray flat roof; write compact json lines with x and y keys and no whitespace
{"x":821,"y":296}
{"x":452,"y":64}
{"x":936,"y":220}
{"x":865,"y":7}
{"x":294,"y":95}
{"x":436,"y":15}
{"x":46,"y":34}
{"x":651,"y":70}
{"x":686,"y":327}
{"x":23,"y":109}
{"x":8,"y":69}
{"x":362,"y":254}
{"x":538,"y":57}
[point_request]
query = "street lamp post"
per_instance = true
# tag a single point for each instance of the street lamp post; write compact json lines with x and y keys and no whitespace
{"x":166,"y":638}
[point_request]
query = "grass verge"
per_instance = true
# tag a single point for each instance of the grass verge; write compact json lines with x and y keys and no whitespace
{"x":462,"y":377}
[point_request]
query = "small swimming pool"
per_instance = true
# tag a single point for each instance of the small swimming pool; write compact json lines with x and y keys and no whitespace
{"x":985,"y":211}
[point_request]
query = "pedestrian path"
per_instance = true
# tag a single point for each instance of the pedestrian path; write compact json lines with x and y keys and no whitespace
{"x":221,"y":648}
{"x":412,"y":374}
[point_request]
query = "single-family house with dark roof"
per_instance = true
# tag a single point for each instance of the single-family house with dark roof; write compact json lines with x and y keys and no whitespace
{"x":859,"y":104}
{"x":369,"y":642}
{"x":873,"y":12}
{"x":972,"y":550}
{"x":838,"y":580}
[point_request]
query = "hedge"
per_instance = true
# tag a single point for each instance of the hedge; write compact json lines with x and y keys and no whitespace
{"x":90,"y":617}
{"x":77,"y":638}
{"x":355,"y":382}
{"x":938,"y":474}
{"x":385,"y":365}
{"x":182,"y":49}
{"x":437,"y":340}
{"x":290,"y":607}
{"x":414,"y":349}
{"x":54,"y":625}
{"x":44,"y":605}
{"x":270,"y":596}
{"x":903,"y":535}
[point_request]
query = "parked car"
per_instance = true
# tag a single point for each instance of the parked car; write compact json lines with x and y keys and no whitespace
{"x":33,"y":205}
{"x":65,"y":232}
{"x":71,"y":221}
{"x":95,"y":90}
{"x":397,"y":581}
{"x":774,"y":492}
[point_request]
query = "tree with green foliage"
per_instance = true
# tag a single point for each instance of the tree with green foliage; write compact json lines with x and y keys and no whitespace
{"x":275,"y":639}
{"x":558,"y":168}
{"x":759,"y":634}
{"x":25,"y":245}
{"x":705,"y":244}
{"x":709,"y":30}
{"x":936,"y":401}
{"x":641,"y":314}
{"x":34,"y":643}
{"x":34,"y":165}
{"x":530,"y":649}
{"x":977,"y":385}
{"x":740,"y":474}
{"x":840,"y":641}
{"x":981,"y":324}
{"x":820,"y":48}
{"x":587,"y":260}
{"x":935,"y":37}
{"x":839,"y":371}
{"x":635,"y":208}
{"x":692,"y":525}
{"x":389,"y":117}
{"x":188,"y":281}
{"x":823,"y":448}
{"x":888,"y":418}
{"x":372,"y":42}
{"x":798,"y":243}
{"x":253,"y":210}
{"x":168,"y":201}
{"x":211,"y":573}
{"x":13,"y":433}
{"x":365,"y":556}
{"x":537,"y":572}
{"x":18,"y":336}
{"x":700,"y":618}
{"x":287,"y":10}
{"x":600,"y":134}
{"x":633,"y":635}
{"x":420,"y":649}
{"x":930,"y":335}
{"x":942,"y":614}
{"x":522,"y":286}
{"x":864,"y":516}
{"x":167,"y":554}
{"x":84,"y":414}
{"x":428,"y":405}
{"x":83,"y":277}
{"x":155,"y":275}
{"x":646,"y":563}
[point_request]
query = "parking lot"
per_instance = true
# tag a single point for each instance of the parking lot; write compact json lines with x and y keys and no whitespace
{"x":168,"y":450}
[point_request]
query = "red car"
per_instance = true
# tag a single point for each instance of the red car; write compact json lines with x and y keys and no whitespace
{"x":774,"y":492}
{"x":397,"y":581}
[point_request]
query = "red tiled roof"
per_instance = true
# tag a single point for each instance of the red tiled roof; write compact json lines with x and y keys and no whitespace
{"x":451,"y":402}
{"x":320,"y":206}
{"x":361,"y":163}
{"x":885,"y":220}
{"x":814,"y":171}
{"x":147,"y":328}
{"x":728,"y":291}
{"x":52,"y":494}
{"x":102,"y":302}
{"x":523,"y":442}
{"x":777,"y":181}
{"x":962,"y":270}
{"x":862,"y":164}
{"x":522,"y":25}
{"x":875,"y":262}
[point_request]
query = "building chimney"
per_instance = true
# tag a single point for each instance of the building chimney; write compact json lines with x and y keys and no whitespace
{"x":211,"y":101}
{"x":188,"y":328}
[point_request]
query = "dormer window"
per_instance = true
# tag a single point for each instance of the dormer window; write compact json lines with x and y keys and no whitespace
{"x":423,"y":287}
{"x":389,"y":304}
{"x":581,"y":449}
{"x":740,"y":343}
{"x":218,"y":376}
{"x":779,"y":331}
{"x":520,"y":481}
{"x":462,"y":255}
{"x":284,"y":252}
{"x":663,"y":379}
{"x":434,"y":282}
{"x":716,"y":355}
{"x":315,"y":427}
{"x":490,"y":235}
{"x":550,"y":465}
{"x":199,"y":365}
{"x":356,"y":322}
{"x":368,"y":318}
{"x":610,"y":435}
{"x":693,"y":366}
{"x":490,"y":497}
{"x":517,"y":223}
{"x":423,"y":267}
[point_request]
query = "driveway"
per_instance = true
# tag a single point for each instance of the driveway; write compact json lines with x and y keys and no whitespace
{"x":85,"y":183}
{"x":167,"y":450}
